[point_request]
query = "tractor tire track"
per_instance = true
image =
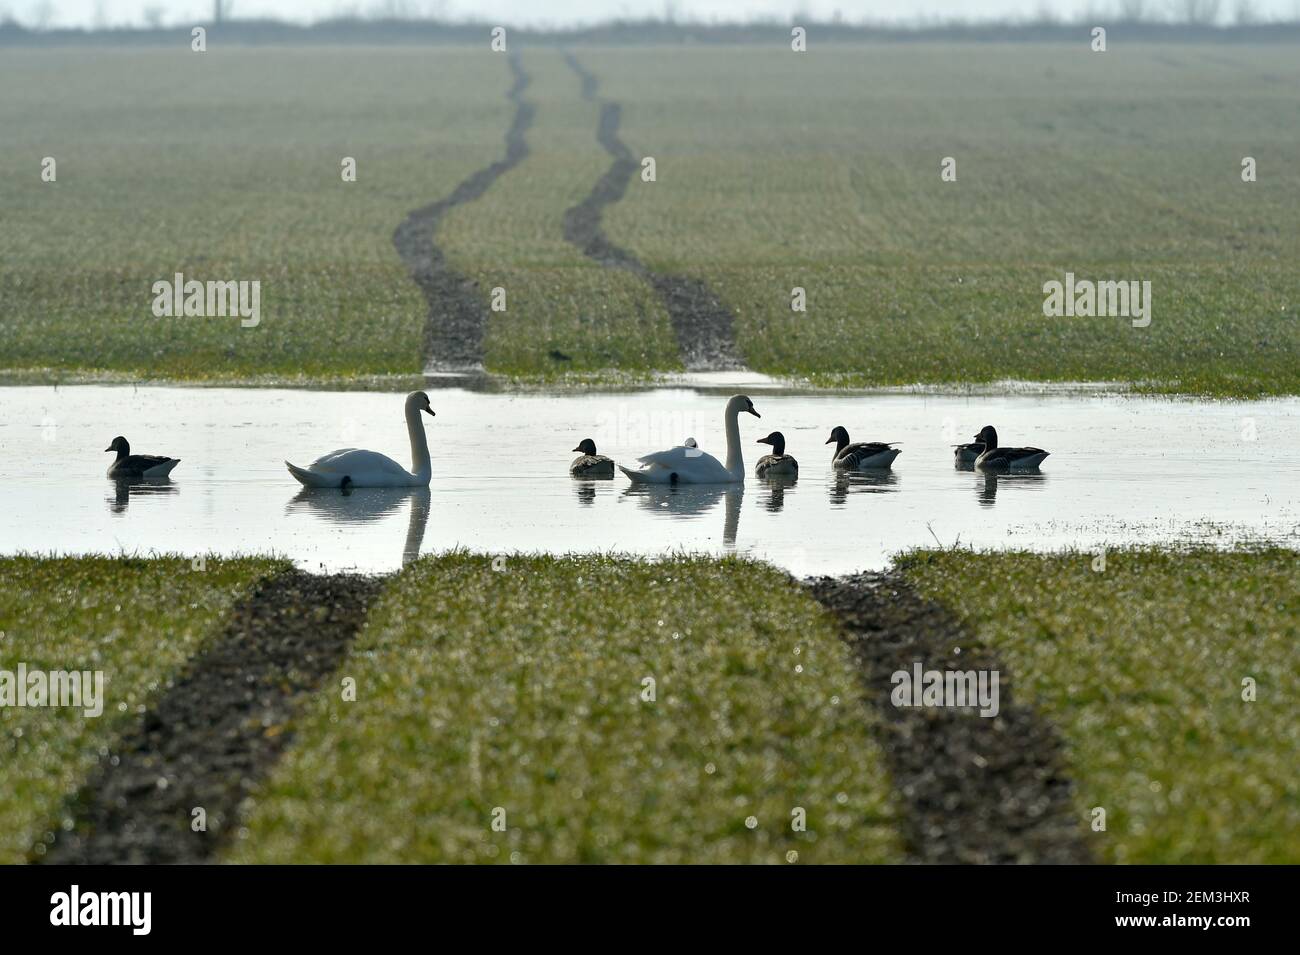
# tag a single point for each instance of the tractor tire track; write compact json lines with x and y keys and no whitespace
{"x":214,"y":735}
{"x":702,"y":325}
{"x":973,"y":789}
{"x":457,"y":314}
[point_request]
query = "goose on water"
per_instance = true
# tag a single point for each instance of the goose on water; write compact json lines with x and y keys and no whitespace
{"x":863,"y":456}
{"x":129,"y":466}
{"x":589,"y":464}
{"x":778,"y":463}
{"x":350,"y":467}
{"x":690,"y":465}
{"x":967,"y":453}
{"x":994,"y":458}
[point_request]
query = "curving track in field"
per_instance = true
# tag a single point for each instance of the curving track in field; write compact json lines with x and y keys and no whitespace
{"x":972,"y":789}
{"x":211,"y":737}
{"x":701,"y":323}
{"x":457,"y":313}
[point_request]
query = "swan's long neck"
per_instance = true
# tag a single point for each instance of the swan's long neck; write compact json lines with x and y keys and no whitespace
{"x":420,"y":464}
{"x":735,"y":462}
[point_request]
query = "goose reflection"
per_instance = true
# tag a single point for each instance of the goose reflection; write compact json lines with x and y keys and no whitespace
{"x":585,"y":491}
{"x":686,"y":501}
{"x":986,"y":487}
{"x":124,"y":490}
{"x":368,"y":505}
{"x":776,"y":487}
{"x":861,"y":482}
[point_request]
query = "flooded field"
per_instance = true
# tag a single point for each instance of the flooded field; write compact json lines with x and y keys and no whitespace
{"x":1122,"y":470}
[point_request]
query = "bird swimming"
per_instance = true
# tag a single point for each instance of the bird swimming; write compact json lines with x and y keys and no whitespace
{"x":862,"y":456}
{"x":130,"y":466}
{"x":351,"y":467}
{"x":994,"y":458}
{"x":589,"y":464}
{"x":778,"y":463}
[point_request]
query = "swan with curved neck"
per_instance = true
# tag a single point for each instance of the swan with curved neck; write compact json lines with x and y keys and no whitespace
{"x":690,"y":465}
{"x":351,"y":467}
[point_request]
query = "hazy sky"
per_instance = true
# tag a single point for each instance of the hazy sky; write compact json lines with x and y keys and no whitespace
{"x":561,"y":12}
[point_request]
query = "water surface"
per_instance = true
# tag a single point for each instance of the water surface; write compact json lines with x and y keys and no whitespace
{"x":1122,"y":470}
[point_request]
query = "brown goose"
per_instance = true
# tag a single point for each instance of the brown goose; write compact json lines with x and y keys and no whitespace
{"x":994,"y":458}
{"x":128,"y":465}
{"x":590,"y":464}
{"x":778,"y":463}
{"x":967,"y":453}
{"x":863,"y":456}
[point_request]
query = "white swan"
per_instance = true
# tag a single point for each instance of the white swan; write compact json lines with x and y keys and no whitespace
{"x":350,"y":467}
{"x":689,"y":465}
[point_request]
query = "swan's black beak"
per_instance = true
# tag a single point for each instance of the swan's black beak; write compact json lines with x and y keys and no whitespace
{"x":429,"y":412}
{"x":754,"y":413}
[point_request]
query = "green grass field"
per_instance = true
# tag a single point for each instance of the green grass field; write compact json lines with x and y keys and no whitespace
{"x":775,"y":170}
{"x":524,"y":690}
{"x":1141,"y":667}
{"x":138,"y":621}
{"x":226,"y":165}
{"x":604,"y":320}
{"x":823,"y":171}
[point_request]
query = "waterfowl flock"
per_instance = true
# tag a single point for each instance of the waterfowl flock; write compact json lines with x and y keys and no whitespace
{"x":686,"y":463}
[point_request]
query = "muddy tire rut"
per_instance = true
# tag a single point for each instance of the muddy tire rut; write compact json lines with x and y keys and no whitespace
{"x":972,"y":789}
{"x":702,"y":325}
{"x":213,"y":736}
{"x":457,"y":315}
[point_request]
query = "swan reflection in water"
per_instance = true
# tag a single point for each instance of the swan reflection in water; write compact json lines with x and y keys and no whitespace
{"x":692,"y":500}
{"x":865,"y":482}
{"x":367,"y":505}
{"x":127,"y":488}
{"x":775,"y":487}
{"x":986,"y":487}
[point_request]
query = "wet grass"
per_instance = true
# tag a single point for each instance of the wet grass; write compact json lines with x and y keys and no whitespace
{"x":565,"y":316}
{"x":1141,"y":666}
{"x":135,"y":620}
{"x":775,"y":170}
{"x":522,"y":690}
{"x":226,"y":165}
{"x":822,"y":171}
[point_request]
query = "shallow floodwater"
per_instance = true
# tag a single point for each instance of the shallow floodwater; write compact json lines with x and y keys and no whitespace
{"x":1123,"y":470}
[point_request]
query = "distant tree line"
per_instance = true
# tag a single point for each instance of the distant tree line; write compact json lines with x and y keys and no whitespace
{"x":391,"y":22}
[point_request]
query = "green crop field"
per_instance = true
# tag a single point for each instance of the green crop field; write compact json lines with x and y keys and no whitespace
{"x":523,"y":693}
{"x":823,"y":171}
{"x":136,"y":621}
{"x":227,"y":165}
{"x":524,"y":689}
{"x":603,"y":320}
{"x":774,"y":170}
{"x":1142,"y":667}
